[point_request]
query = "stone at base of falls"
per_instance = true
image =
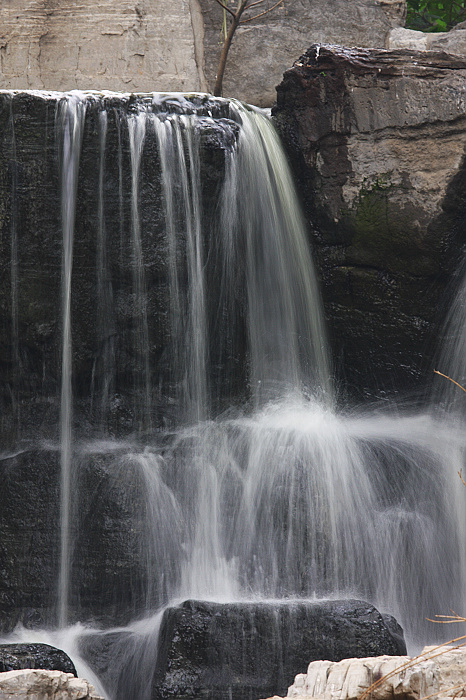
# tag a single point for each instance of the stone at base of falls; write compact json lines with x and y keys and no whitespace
{"x":239,"y":651}
{"x":39,"y":684}
{"x":14,"y":657}
{"x":438,"y":672}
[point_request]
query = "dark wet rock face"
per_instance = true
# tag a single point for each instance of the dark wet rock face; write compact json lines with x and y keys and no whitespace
{"x":106,"y":363}
{"x":249,"y":650}
{"x":29,"y":537}
{"x":377,"y":140}
{"x":17,"y":656}
{"x":202,"y":650}
{"x":112,"y":570}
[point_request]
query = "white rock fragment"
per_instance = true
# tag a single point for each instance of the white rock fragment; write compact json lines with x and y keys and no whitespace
{"x":36,"y":684}
{"x":439,"y":673}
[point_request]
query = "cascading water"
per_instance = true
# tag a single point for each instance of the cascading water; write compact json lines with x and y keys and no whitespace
{"x":72,"y":120}
{"x":210,"y":399}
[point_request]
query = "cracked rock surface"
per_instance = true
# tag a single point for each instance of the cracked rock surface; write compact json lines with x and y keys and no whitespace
{"x":134,"y":45}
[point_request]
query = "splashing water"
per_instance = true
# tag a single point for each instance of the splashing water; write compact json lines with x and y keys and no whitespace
{"x":254,"y":485}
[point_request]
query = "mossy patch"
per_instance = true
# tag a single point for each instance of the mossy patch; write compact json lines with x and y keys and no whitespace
{"x":387,"y":234}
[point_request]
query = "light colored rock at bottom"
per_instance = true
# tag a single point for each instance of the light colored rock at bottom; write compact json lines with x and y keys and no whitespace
{"x":35,"y":684}
{"x":438,"y":673}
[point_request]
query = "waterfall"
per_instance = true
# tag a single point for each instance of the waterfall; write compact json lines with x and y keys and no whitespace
{"x":106,"y":331}
{"x":287,"y":337}
{"x":197,"y":405}
{"x":71,"y":122}
{"x":174,"y":134}
{"x":136,"y":127}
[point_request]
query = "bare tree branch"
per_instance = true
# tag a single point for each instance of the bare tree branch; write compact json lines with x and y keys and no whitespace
{"x":225,"y":7}
{"x":236,"y":15}
{"x":266,"y":12}
{"x":253,"y":4}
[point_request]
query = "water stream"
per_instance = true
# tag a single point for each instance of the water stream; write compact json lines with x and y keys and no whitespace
{"x":70,"y":120}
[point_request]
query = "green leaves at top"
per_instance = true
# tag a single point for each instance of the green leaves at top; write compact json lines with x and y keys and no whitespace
{"x":435,"y":16}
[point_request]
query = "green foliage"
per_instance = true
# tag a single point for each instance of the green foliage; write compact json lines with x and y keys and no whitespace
{"x":435,"y":16}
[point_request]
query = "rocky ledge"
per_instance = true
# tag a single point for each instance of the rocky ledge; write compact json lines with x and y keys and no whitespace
{"x":377,"y":140}
{"x":438,"y":672}
{"x":238,"y":651}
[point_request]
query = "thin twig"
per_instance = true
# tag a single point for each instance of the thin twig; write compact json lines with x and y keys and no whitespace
{"x":226,"y":8}
{"x":266,"y":12}
{"x":449,"y":379}
{"x":412,"y":662}
{"x":444,"y":692}
{"x":253,"y":4}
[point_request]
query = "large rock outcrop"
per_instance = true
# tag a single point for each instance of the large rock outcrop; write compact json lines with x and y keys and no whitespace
{"x":233,"y":651}
{"x":238,"y":651}
{"x":146,"y":45}
{"x":378,"y":142}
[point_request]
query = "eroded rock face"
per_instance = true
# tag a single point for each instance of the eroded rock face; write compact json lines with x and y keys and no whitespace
{"x":378,"y":142}
{"x":148,"y":45}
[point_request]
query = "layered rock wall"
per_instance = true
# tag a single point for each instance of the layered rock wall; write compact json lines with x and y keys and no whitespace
{"x":161,"y":45}
{"x":130,"y":45}
{"x":378,"y":141}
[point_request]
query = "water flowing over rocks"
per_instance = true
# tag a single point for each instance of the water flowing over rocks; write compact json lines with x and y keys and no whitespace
{"x":168,"y":424}
{"x":45,"y":685}
{"x":378,"y":140}
{"x":233,"y":651}
{"x":31,"y":232}
{"x":438,"y":672}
